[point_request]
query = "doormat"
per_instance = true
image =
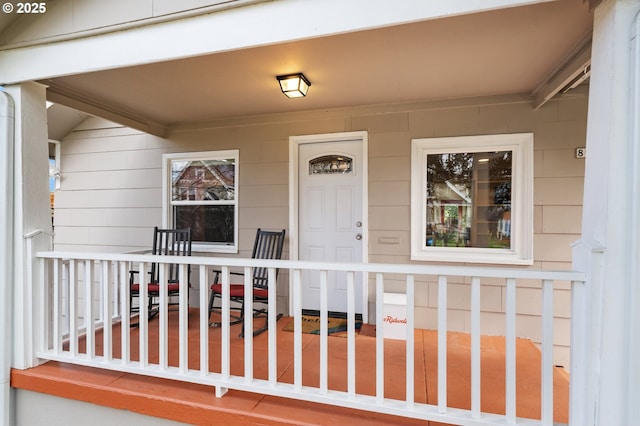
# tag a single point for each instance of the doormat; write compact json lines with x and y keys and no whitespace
{"x":336,"y":326}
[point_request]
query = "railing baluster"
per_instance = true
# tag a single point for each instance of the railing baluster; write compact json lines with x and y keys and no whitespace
{"x":204,"y":320}
{"x":297,"y":333}
{"x":273,"y":350}
{"x":73,"y":304}
{"x":226,"y":347}
{"x":125,"y":303}
{"x":107,"y":307}
{"x":56,"y":300}
{"x":183,"y":322}
{"x":163,"y":321}
{"x":410,"y":376}
{"x":510,"y":351}
{"x":351,"y":336}
{"x":379,"y":338}
{"x":442,"y":344}
{"x":43,"y":291}
{"x":65,"y":298}
{"x":143,"y":315}
{"x":248,"y":325}
{"x":547,"y":353}
{"x":475,"y":348}
{"x":89,"y":324}
{"x":324,"y":333}
{"x":115,"y":283}
{"x":225,"y":344}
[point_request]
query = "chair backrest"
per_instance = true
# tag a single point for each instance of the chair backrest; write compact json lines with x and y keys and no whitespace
{"x":170,"y":242}
{"x":268,"y":245}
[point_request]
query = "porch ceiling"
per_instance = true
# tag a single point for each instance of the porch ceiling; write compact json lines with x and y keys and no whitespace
{"x":505,"y":51}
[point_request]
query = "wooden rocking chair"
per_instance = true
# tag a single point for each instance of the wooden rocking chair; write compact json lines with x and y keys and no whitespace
{"x":166,"y":242}
{"x":268,"y":245}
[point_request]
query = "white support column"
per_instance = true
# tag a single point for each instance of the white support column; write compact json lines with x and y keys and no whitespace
{"x":31,"y":209}
{"x":7,"y":114}
{"x":606,"y":393}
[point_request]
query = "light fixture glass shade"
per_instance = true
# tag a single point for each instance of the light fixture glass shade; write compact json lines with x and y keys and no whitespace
{"x":294,"y":85}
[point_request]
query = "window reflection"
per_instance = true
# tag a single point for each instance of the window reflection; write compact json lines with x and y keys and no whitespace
{"x":208,"y":223}
{"x":469,"y":199}
{"x":203,"y":180}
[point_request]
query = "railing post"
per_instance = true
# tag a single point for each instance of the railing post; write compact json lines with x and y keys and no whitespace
{"x":579,"y":347}
{"x":27,"y":312}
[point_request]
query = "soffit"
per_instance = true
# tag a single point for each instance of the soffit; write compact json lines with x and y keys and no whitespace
{"x":506,"y":51}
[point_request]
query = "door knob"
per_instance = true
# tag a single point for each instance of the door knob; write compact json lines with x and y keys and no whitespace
{"x":358,"y":236}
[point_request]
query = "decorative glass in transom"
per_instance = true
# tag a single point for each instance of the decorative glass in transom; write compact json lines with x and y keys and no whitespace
{"x":329,"y":164}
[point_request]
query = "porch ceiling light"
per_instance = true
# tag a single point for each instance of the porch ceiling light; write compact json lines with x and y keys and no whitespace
{"x":294,"y":85}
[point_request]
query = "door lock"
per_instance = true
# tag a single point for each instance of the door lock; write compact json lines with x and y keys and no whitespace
{"x":359,"y":224}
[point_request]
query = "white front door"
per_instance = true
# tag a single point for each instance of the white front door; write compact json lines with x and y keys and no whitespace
{"x":330,"y":217}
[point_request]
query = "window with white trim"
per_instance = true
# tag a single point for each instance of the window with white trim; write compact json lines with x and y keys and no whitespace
{"x":472,"y":199}
{"x":201,"y":193}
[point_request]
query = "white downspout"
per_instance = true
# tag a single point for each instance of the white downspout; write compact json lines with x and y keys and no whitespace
{"x":7,"y":117}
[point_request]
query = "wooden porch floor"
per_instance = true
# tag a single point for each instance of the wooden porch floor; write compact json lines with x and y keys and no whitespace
{"x":197,"y":404}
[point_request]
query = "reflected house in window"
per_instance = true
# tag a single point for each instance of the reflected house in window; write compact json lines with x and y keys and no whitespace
{"x":203,"y":196}
{"x":448,"y":214}
{"x":469,"y":199}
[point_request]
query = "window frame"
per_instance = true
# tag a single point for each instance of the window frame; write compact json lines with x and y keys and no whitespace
{"x":168,"y":203}
{"x":521,"y":251}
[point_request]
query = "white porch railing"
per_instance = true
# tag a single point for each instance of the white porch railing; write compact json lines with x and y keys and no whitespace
{"x":73,"y":287}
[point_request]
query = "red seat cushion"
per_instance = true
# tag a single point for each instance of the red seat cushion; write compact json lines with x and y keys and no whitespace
{"x":237,"y":290}
{"x":155,"y":288}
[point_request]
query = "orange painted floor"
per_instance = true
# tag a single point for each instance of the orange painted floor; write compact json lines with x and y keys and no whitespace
{"x":197,"y":404}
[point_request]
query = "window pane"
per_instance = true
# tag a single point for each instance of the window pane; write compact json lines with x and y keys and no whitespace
{"x":212,"y":224}
{"x":469,"y":200}
{"x":203,"y":180}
